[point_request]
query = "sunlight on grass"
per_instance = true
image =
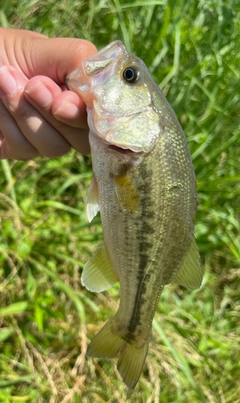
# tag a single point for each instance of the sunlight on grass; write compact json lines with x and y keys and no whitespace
{"x":46,"y":317}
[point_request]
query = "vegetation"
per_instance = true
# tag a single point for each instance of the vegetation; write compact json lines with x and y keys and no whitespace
{"x":46,"y":317}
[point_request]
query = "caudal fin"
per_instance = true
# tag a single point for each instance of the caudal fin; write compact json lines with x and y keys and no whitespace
{"x":107,"y":344}
{"x":130,"y":363}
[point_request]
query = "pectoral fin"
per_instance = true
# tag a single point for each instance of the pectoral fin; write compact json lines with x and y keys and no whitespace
{"x":126,"y":193}
{"x":92,"y":200}
{"x":98,"y":274}
{"x":190,"y":274}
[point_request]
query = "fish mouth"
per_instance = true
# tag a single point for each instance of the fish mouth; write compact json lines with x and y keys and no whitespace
{"x":124,"y":151}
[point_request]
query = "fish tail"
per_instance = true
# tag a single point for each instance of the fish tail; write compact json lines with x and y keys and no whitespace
{"x":130,"y":363}
{"x":107,"y":344}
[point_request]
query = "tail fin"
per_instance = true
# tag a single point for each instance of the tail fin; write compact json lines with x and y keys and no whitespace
{"x":107,"y":344}
{"x":130,"y":363}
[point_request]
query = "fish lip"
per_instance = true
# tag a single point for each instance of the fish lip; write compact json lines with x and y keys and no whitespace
{"x":124,"y":151}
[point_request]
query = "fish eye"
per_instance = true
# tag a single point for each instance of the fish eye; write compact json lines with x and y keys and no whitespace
{"x":130,"y":75}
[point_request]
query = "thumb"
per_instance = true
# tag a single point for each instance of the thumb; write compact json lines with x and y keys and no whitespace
{"x":53,"y":57}
{"x":57,"y":57}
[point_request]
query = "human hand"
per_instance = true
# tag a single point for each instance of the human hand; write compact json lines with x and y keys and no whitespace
{"x":37,"y":115}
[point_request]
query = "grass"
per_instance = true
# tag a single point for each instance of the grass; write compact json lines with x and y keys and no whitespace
{"x":46,"y":318}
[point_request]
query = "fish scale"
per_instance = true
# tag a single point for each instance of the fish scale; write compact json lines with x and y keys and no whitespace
{"x":144,"y":187}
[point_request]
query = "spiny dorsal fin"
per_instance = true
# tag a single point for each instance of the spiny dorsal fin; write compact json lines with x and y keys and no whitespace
{"x":126,"y":192}
{"x":98,"y":274}
{"x":92,"y":200}
{"x":190,"y":274}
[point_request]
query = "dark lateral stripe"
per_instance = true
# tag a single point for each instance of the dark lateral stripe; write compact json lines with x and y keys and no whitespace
{"x":145,"y":247}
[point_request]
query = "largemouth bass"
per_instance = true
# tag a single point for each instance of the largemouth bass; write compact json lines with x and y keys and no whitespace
{"x":144,"y":186}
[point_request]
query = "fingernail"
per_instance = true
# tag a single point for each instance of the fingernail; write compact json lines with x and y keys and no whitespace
{"x":40,"y":94}
{"x":67,"y":110}
{"x":8,"y":84}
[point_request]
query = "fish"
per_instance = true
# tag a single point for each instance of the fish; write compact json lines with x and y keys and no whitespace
{"x":144,"y":186}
